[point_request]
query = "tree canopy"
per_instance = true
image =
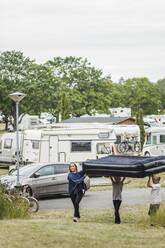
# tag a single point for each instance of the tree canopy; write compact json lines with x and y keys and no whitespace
{"x":71,"y":86}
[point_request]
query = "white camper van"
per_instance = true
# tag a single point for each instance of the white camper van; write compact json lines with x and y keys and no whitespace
{"x":26,"y":122}
{"x":8,"y":148}
{"x":58,"y":145}
{"x":154,"y":141}
{"x":68,"y":144}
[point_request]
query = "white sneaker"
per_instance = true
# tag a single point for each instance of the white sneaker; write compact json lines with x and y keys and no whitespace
{"x":75,"y":219}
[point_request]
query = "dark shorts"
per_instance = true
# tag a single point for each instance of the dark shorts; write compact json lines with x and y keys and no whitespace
{"x":153,"y":209}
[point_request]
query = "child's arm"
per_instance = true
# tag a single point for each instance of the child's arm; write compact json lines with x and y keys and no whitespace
{"x":149,"y":182}
{"x":112,"y":179}
{"x":123,"y":179}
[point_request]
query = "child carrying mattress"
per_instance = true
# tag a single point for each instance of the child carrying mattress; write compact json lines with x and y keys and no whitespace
{"x":117,"y":183}
{"x":155,"y":194}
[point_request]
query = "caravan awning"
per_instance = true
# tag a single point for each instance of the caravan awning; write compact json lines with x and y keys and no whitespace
{"x":125,"y":166}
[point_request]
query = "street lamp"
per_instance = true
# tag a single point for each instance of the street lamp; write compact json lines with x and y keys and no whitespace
{"x":17,"y":97}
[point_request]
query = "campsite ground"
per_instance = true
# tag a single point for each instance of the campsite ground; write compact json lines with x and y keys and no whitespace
{"x":55,"y":228}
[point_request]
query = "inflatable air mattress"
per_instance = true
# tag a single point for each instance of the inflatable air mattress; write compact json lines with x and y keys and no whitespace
{"x":125,"y":166}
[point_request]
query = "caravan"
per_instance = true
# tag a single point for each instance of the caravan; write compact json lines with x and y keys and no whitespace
{"x":70,"y":144}
{"x":57,"y":145}
{"x":154,"y":141}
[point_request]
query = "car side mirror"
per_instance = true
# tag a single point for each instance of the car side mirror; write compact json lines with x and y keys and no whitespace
{"x":36,"y":175}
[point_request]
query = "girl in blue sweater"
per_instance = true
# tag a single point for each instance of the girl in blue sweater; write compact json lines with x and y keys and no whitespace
{"x":75,"y":188}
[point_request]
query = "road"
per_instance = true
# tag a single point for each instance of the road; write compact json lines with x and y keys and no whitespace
{"x":101,"y":199}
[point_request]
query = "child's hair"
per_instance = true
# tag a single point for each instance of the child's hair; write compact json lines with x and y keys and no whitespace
{"x":74,"y":165}
{"x":155,"y":178}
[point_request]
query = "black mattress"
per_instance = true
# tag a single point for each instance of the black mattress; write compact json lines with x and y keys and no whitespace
{"x":125,"y":166}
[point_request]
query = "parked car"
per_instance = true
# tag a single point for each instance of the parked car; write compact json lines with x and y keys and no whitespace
{"x":42,"y":179}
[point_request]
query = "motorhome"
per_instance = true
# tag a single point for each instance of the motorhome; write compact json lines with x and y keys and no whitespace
{"x":26,"y":122}
{"x":154,"y":144}
{"x":57,"y":145}
{"x":67,"y":144}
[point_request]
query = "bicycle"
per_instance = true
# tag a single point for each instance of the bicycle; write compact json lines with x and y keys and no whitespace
{"x":128,"y":145}
{"x":33,"y":202}
{"x":21,"y":195}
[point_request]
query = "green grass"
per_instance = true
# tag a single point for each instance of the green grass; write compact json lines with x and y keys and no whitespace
{"x":15,"y":208}
{"x":3,"y":171}
{"x":55,"y":229}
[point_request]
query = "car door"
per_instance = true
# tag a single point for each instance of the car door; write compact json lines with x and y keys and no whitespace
{"x":45,"y":182}
{"x":61,"y":174}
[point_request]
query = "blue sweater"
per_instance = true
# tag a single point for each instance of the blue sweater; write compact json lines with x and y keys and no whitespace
{"x":76,"y":182}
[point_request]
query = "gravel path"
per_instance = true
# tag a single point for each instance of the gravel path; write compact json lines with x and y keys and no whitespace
{"x":101,"y":199}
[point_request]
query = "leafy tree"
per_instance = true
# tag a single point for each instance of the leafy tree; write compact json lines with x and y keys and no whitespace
{"x":140,"y":123}
{"x":161,"y":87}
{"x":88,"y":90}
{"x":117,"y":94}
{"x":40,"y":89}
{"x":65,"y":106}
{"x":13,"y":70}
{"x":141,"y":93}
{"x":18,"y":73}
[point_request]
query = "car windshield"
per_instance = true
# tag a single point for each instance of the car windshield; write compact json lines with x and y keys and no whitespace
{"x":25,"y":171}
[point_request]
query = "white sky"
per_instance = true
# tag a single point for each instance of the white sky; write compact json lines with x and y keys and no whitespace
{"x":121,"y":37}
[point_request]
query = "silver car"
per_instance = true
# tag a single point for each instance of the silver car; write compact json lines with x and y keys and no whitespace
{"x":42,"y":179}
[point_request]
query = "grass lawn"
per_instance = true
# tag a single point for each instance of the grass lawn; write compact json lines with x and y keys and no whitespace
{"x":55,"y":229}
{"x":3,"y":171}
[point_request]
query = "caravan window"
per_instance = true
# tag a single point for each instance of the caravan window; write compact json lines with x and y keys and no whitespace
{"x":148,"y":141}
{"x":81,"y":146}
{"x":33,"y":121}
{"x":35,"y":144}
{"x":162,"y":138}
{"x":154,"y":140}
{"x":8,"y":143}
{"x":103,"y":148}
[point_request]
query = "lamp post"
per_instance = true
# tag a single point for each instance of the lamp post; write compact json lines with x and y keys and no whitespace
{"x":17,"y":97}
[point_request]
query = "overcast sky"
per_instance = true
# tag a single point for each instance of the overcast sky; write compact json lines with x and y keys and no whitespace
{"x":121,"y":37}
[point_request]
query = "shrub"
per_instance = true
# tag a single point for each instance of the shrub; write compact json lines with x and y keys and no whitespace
{"x":12,"y":209}
{"x":158,"y":219}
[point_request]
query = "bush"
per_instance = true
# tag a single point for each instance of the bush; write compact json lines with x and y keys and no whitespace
{"x":12,"y":209}
{"x":158,"y":219}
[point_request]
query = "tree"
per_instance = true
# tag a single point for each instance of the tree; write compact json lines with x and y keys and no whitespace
{"x":161,"y":87}
{"x":19,"y":73}
{"x":13,"y":69}
{"x":140,"y":123}
{"x":89,"y":91}
{"x":65,"y":106}
{"x":141,"y":93}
